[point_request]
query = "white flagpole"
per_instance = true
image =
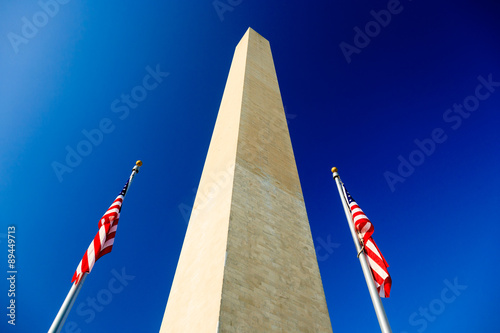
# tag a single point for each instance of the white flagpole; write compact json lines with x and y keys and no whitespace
{"x":63,"y":313}
{"x":377,"y":302}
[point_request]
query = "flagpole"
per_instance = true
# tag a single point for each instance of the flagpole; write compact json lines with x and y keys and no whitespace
{"x":63,"y":313}
{"x":377,"y":302}
{"x":135,"y":170}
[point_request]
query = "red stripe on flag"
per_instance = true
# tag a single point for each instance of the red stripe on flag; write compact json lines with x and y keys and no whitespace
{"x":377,"y":262}
{"x":108,"y":220}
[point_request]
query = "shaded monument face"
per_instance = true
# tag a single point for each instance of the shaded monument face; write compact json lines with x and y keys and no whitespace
{"x":248,"y":262}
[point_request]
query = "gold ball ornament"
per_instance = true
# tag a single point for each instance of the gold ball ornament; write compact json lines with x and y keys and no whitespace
{"x":334,"y":169}
{"x":138,"y":163}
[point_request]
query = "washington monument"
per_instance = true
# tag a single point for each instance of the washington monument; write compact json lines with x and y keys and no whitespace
{"x":248,"y":262}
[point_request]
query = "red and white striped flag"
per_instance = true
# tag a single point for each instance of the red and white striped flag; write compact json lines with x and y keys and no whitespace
{"x":103,"y":241}
{"x":375,"y":258}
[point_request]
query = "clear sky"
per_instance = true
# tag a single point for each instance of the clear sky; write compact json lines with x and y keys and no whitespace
{"x":403,"y":97}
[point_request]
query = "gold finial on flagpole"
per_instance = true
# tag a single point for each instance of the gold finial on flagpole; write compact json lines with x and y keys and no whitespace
{"x":335,"y":172}
{"x":138,"y":164}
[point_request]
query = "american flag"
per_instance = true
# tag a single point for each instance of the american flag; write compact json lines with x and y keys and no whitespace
{"x":375,"y":258}
{"x":103,"y":241}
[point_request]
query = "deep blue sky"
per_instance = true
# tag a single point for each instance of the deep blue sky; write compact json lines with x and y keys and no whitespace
{"x":436,"y":228}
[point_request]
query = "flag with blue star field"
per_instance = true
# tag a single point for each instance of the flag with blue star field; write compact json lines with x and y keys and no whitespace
{"x":104,"y":239}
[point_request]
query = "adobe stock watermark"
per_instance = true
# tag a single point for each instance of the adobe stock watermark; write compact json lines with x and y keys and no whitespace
{"x":425,"y":315}
{"x":30,"y":27}
{"x":217,"y":183}
{"x":325,"y":248}
{"x":222,"y":6}
{"x":121,"y":106}
{"x":104,"y":297}
{"x":454,"y":117}
{"x":221,"y":179}
{"x":372,"y":29}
